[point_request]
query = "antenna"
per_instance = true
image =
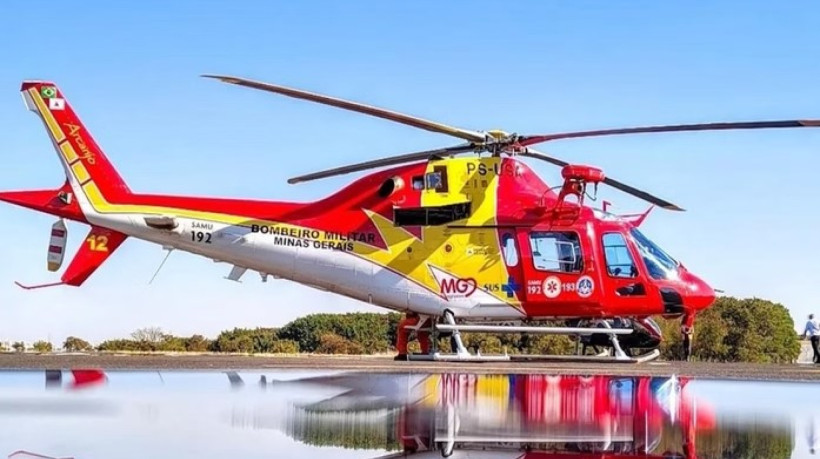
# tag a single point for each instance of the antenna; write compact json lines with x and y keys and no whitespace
{"x":169,"y":249}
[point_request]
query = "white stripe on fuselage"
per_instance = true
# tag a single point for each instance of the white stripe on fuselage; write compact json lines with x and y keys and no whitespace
{"x":336,"y":271}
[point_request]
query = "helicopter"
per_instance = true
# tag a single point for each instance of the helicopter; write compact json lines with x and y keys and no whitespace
{"x":467,"y":237}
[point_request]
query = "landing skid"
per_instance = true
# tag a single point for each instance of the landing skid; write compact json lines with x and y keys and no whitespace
{"x":439,"y":357}
{"x":463,"y":355}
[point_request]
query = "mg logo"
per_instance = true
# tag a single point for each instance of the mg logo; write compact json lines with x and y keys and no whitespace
{"x":455,"y":287}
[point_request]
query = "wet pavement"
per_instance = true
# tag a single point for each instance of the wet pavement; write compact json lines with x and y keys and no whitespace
{"x":261,"y":413}
{"x":702,"y":370}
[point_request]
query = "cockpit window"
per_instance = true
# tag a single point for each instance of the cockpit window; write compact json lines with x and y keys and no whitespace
{"x":658,"y":263}
{"x":619,"y":261}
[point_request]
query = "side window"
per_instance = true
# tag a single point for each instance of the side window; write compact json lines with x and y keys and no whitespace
{"x":619,"y":261}
{"x":437,"y":180}
{"x":556,"y":251}
{"x":510,"y":250}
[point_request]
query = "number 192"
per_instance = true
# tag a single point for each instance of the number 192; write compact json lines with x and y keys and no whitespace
{"x":200,"y":236}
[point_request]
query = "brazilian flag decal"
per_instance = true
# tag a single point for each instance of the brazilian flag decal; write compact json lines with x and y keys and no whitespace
{"x":48,"y":92}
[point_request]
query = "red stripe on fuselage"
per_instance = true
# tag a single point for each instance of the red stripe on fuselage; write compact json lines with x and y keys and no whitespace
{"x":341,"y":212}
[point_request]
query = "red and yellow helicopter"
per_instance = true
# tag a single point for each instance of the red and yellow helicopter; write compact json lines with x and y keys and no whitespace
{"x":468,"y":237}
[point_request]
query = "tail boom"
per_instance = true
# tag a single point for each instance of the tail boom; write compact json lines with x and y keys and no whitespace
{"x":59,"y":202}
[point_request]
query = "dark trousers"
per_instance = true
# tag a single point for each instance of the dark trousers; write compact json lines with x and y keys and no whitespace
{"x":815,"y":345}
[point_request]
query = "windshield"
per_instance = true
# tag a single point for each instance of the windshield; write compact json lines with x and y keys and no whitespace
{"x":658,"y":263}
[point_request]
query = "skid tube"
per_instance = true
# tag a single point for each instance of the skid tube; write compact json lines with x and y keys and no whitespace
{"x":462,"y":355}
{"x":439,"y":357}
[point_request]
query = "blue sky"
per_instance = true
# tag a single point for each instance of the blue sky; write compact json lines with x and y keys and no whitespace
{"x":529,"y":67}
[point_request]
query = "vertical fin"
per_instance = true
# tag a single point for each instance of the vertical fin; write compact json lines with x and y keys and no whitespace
{"x":82,"y":158}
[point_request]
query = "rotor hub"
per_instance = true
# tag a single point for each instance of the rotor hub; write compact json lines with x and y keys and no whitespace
{"x":498,"y":134}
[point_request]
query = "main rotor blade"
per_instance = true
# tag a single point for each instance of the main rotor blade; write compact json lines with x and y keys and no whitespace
{"x":611,"y":182}
{"x":400,"y":159}
{"x":538,"y":155}
{"x":534,"y":139}
{"x":642,"y":195}
{"x":473,"y":136}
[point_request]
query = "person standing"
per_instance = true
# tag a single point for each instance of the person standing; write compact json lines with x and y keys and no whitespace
{"x":812,"y":331}
{"x":406,"y":325}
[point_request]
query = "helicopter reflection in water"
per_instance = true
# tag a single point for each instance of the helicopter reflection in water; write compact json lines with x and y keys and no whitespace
{"x":385,"y":415}
{"x":445,"y":415}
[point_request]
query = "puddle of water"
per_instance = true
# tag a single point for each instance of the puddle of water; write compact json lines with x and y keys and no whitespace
{"x":333,"y":414}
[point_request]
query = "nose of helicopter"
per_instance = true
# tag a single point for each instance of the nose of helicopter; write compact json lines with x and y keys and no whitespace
{"x":699,"y":295}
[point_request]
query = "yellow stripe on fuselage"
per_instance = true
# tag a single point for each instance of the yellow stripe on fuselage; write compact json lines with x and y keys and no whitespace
{"x":99,"y":203}
{"x":68,"y":152}
{"x":80,"y":172}
{"x":56,"y":133}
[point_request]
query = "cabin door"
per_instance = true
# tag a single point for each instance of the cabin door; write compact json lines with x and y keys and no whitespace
{"x":558,"y":280}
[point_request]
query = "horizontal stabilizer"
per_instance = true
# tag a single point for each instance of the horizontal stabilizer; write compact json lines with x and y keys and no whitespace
{"x":97,"y":247}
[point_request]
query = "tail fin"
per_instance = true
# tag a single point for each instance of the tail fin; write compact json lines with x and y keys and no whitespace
{"x":97,"y":247}
{"x":82,"y":159}
{"x":89,"y":174}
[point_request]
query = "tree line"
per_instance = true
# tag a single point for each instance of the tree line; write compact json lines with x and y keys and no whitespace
{"x":733,"y":330}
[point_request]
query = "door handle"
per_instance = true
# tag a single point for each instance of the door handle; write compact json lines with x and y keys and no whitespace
{"x":636,"y":289}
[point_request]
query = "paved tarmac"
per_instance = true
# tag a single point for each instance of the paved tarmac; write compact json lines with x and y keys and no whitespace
{"x":170,"y":362}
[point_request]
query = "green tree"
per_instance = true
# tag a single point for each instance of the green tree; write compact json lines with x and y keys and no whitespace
{"x":236,"y":340}
{"x":149,"y":334}
{"x":170,"y":343}
{"x":19,"y":346}
{"x":264,"y":339}
{"x":546,"y":344}
{"x":197,"y":343}
{"x":737,"y":330}
{"x":710,"y":337}
{"x":126,"y":345}
{"x":42,"y":346}
{"x":284,"y":346}
{"x":485,"y":342}
{"x":330,"y":343}
{"x":374,"y":332}
{"x":74,"y":344}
